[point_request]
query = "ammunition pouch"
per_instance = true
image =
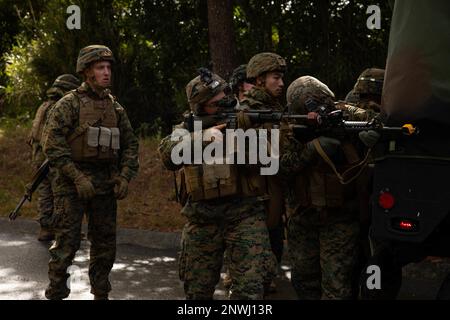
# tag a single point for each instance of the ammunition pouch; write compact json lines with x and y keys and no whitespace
{"x":206,"y":182}
{"x":96,"y":143}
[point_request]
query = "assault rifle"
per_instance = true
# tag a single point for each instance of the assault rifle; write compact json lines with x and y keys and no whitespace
{"x":334,"y":124}
{"x":30,"y":188}
{"x":305,"y":126}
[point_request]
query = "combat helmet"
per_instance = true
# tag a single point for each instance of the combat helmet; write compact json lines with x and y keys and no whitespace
{"x":306,"y":94}
{"x":370,"y":81}
{"x":203,"y":88}
{"x":93,"y":53}
{"x":265,"y":62}
{"x":66,"y":82}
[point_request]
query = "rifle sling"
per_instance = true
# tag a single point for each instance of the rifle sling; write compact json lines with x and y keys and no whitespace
{"x":341,"y":177}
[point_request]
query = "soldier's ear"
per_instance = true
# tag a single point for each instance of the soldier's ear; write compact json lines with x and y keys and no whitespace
{"x":88,"y":73}
{"x":261,"y":80}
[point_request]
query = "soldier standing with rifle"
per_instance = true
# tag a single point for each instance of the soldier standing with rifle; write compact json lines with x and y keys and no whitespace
{"x":62,"y":84}
{"x":91,"y":148}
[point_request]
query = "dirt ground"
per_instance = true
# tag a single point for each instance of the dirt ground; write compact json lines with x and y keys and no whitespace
{"x":150,"y":203}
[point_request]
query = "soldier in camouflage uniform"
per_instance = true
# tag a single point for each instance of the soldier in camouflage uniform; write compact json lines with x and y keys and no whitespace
{"x":225,"y":211}
{"x":323,"y":227}
{"x":265,"y":71}
{"x":93,"y":154}
{"x":61,"y":85}
{"x":366,"y":93}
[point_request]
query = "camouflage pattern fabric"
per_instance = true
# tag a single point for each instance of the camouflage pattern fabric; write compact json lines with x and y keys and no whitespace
{"x":63,"y":120}
{"x":44,"y":191}
{"x":69,"y":209}
{"x":232,"y":224}
{"x":93,"y":53}
{"x":245,"y":240}
{"x":322,"y":241}
{"x":368,"y":105}
{"x":322,"y":250}
{"x":258,"y":99}
{"x":264,"y":62}
{"x":67,"y":220}
{"x":357,"y":113}
{"x":308,"y":90}
{"x":45,"y":203}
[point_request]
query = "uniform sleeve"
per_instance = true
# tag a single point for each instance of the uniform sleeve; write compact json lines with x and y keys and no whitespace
{"x":165,"y":151}
{"x":129,"y":157}
{"x":357,"y":114}
{"x":62,"y":120}
{"x":292,"y":159}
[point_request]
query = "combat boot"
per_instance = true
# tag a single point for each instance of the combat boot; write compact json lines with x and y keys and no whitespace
{"x":45,"y":234}
{"x":100,"y":297}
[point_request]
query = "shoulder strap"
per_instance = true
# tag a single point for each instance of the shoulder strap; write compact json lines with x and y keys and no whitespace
{"x":361,"y":165}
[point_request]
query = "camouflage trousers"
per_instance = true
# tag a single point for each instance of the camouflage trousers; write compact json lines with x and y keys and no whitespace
{"x":249,"y":257}
{"x":45,"y":203}
{"x":276,"y":239}
{"x":322,"y":249}
{"x":101,"y":215}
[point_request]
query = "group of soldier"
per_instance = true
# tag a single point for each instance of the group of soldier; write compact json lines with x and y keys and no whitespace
{"x":236,"y":217}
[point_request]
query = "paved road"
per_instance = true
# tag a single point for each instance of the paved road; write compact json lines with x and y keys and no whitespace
{"x":140,"y":272}
{"x":143,"y":272}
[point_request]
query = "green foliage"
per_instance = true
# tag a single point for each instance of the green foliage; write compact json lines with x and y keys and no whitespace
{"x":159,"y":45}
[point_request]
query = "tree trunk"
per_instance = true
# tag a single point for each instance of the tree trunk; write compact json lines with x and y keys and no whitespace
{"x":222,"y":42}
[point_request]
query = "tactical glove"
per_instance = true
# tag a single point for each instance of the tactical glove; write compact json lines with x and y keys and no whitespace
{"x":84,"y":186}
{"x":369,"y":138}
{"x":122,"y":187}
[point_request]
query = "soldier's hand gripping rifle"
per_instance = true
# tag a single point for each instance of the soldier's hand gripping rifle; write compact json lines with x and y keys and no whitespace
{"x":30,"y":188}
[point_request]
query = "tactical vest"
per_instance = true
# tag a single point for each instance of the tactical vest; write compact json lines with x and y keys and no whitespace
{"x":39,"y":121}
{"x":100,"y":137}
{"x":215,"y":181}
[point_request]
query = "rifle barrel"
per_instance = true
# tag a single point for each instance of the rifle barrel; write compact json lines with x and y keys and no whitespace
{"x":13,"y":215}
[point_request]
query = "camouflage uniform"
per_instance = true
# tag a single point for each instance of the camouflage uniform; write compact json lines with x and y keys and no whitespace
{"x":70,"y":203}
{"x":258,"y":98}
{"x":323,"y":226}
{"x":235,"y":224}
{"x":368,"y":91}
{"x":61,"y":85}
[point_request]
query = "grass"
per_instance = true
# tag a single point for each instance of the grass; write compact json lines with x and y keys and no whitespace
{"x":150,"y":203}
